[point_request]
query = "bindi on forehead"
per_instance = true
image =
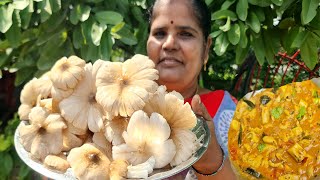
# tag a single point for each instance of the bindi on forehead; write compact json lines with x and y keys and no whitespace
{"x":171,"y":22}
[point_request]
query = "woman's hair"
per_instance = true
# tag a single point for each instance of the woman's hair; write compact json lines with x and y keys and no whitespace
{"x":201,"y":12}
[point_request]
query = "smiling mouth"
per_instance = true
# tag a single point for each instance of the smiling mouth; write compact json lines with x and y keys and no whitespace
{"x":169,"y":62}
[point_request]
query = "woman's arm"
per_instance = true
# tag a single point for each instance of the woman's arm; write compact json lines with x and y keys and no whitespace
{"x":213,"y":157}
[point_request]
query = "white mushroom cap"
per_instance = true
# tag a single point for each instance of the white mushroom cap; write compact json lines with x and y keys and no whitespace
{"x":146,"y":137}
{"x":66,"y":73}
{"x":57,"y":162}
{"x":44,"y":135}
{"x":123,"y":88}
{"x":88,"y":162}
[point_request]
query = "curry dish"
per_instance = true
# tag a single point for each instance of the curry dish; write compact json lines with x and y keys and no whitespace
{"x":275,"y":133}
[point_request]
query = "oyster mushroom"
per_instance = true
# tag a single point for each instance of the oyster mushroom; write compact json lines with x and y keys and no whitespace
{"x":30,"y":93}
{"x":67,"y":72}
{"x":81,"y":108}
{"x":146,"y":137}
{"x":123,"y":88}
{"x":57,"y":162}
{"x":88,"y":162}
{"x":100,"y":140}
{"x":115,"y":128}
{"x":44,"y":134}
{"x":70,"y":140}
{"x":118,"y":169}
{"x":180,"y":118}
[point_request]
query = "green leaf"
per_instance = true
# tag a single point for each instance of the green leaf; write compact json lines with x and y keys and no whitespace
{"x":253,"y":22}
{"x":227,"y":4}
{"x":6,"y":17}
{"x":288,"y":38}
{"x":276,"y":112}
{"x":221,"y":44}
{"x":259,"y":11}
{"x":90,"y":52}
{"x":309,"y":10}
{"x":137,"y":13}
{"x":227,"y":26}
{"x":46,"y":10}
{"x":24,"y":171}
{"x":3,"y":2}
{"x":234,"y":34}
{"x":20,"y":4}
{"x":300,"y":38}
{"x":285,"y":5}
{"x":216,"y":33}
{"x":52,"y":51}
{"x":277,"y":2}
{"x":45,"y":36}
{"x":224,"y":14}
{"x":6,"y":165}
{"x":123,"y":6}
{"x":54,"y":22}
{"x":287,"y":23}
{"x":3,"y":59}
{"x":5,"y":143}
{"x":25,"y":59}
{"x":77,"y":37}
{"x":243,"y":36}
{"x":73,"y":16}
{"x":108,"y":17}
{"x":142,"y":36}
{"x":83,"y":12}
{"x":25,"y":18}
{"x":242,"y":9}
{"x":315,"y":23}
{"x":14,"y":35}
{"x":208,"y":2}
{"x":55,"y":5}
{"x":271,"y":43}
{"x":96,"y":32}
{"x":24,"y":74}
{"x":241,"y":54}
{"x":126,"y":36}
{"x":309,"y":51}
{"x":259,"y":49}
{"x":261,"y":3}
{"x":86,"y":30}
{"x":106,"y":46}
{"x":117,"y":27}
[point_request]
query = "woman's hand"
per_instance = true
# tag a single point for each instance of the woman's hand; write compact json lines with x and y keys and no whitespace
{"x":213,"y":157}
{"x":199,"y":108}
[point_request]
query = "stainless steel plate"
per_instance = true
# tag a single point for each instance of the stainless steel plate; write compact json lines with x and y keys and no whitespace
{"x":201,"y":130}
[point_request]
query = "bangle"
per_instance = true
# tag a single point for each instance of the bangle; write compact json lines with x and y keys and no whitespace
{"x":214,"y":172}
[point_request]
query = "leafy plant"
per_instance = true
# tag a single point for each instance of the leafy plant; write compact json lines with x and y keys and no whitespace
{"x":266,"y":27}
{"x":35,"y":33}
{"x":11,"y":167}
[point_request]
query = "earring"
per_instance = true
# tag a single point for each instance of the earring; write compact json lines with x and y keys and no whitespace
{"x":205,"y":64}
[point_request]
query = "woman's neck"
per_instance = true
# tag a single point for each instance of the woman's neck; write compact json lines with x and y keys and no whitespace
{"x":190,"y":92}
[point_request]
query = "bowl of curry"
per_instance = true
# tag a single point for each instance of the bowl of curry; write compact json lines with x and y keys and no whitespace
{"x":275,"y":133}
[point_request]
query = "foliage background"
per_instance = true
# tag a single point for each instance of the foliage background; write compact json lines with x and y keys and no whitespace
{"x":36,"y":33}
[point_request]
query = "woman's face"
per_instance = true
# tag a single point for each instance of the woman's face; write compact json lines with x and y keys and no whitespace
{"x":176,"y":44}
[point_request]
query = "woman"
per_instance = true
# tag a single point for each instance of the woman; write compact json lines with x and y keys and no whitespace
{"x":179,"y":44}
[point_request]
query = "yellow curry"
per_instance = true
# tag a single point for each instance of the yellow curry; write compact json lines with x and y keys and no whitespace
{"x":276,"y":133}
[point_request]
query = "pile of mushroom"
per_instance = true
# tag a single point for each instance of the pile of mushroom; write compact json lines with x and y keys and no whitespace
{"x":106,"y":120}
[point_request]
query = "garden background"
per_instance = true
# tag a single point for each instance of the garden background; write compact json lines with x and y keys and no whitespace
{"x":257,"y":43}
